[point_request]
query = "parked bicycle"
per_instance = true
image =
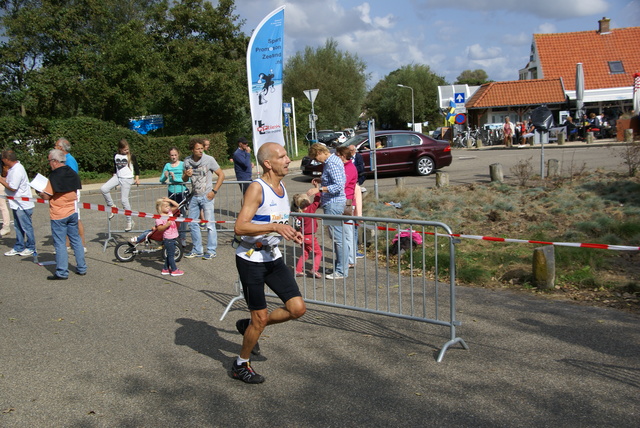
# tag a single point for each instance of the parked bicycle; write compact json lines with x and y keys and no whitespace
{"x":467,"y":138}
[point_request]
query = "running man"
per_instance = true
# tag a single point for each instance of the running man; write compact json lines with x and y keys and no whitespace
{"x":262,"y":223}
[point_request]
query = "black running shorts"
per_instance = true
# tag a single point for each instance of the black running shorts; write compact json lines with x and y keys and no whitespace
{"x":277,"y":276}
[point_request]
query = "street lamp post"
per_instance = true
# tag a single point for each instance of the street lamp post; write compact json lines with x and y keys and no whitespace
{"x":413,"y":122}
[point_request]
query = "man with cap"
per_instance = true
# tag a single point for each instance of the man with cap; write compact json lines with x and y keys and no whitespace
{"x":242,"y":163}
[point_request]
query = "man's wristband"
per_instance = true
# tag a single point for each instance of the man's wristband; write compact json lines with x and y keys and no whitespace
{"x":215,"y":192}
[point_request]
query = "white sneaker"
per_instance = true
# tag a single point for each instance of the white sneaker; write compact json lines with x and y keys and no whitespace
{"x":5,"y":230}
{"x":12,"y":253}
{"x":26,"y":252}
{"x":111,"y":215}
{"x":334,"y":275}
{"x":129,"y":226}
{"x":363,"y":189}
{"x":134,"y":240}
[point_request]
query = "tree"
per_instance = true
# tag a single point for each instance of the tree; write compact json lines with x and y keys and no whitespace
{"x":340,"y":78}
{"x":114,"y":59}
{"x":390,"y":105}
{"x":473,"y":78}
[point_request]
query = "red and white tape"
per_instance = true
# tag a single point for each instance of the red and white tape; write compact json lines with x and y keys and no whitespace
{"x":520,"y":241}
{"x":115,"y":210}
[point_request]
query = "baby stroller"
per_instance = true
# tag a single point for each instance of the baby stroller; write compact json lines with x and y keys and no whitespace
{"x":127,"y":251}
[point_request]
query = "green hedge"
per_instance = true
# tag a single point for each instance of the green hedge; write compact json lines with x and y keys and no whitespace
{"x":94,"y":142}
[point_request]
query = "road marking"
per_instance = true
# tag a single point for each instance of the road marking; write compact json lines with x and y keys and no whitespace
{"x":467,"y":157}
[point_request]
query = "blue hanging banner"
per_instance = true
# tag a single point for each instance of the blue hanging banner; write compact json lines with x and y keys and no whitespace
{"x":265,"y":56}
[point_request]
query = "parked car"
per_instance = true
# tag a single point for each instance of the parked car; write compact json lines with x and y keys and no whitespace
{"x":400,"y":152}
{"x":326,"y":136}
{"x":342,"y":137}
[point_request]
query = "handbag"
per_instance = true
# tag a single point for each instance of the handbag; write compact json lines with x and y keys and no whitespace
{"x":348,"y":208}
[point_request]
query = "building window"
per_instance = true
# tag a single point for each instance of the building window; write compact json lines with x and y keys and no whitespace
{"x":616,"y":67}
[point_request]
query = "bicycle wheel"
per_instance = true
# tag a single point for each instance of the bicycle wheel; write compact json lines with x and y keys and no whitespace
{"x":125,"y":252}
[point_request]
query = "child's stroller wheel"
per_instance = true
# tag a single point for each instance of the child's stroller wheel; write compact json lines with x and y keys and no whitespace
{"x":125,"y":252}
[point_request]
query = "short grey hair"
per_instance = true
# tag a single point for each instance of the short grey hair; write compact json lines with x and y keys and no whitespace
{"x":58,"y":155}
{"x":65,"y":144}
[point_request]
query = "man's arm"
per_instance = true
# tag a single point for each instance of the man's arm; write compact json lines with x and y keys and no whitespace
{"x":220,"y":173}
{"x":4,"y":182}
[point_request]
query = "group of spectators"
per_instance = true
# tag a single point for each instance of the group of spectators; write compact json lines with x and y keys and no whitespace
{"x":599,"y":124}
{"x":62,"y":190}
{"x":577,"y":129}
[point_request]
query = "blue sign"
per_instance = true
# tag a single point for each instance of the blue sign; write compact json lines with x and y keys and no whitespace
{"x":459,"y":97}
{"x":144,"y":124}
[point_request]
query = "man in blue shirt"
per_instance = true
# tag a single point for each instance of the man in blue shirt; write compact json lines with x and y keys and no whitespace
{"x":333,"y":200}
{"x":242,"y":163}
{"x":65,"y":146}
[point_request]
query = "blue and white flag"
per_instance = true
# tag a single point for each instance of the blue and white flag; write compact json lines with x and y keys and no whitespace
{"x":265,"y":57}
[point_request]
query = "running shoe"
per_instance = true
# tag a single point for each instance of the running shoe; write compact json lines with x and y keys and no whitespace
{"x":241,"y":326}
{"x":193,"y":255}
{"x":12,"y":253}
{"x":165,"y":271}
{"x":245,"y":373}
{"x":177,"y":273}
{"x":26,"y":252}
{"x":209,"y":256}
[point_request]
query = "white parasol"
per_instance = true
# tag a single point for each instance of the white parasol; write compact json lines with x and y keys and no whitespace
{"x":579,"y":91}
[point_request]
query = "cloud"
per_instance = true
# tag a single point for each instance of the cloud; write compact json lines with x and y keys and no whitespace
{"x":478,"y":53}
{"x":520,"y":39}
{"x":542,"y":8}
{"x":545,"y":28}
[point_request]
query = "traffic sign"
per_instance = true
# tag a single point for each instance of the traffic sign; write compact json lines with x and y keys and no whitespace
{"x":311,"y":94}
{"x":459,"y":97}
{"x":460,"y":118}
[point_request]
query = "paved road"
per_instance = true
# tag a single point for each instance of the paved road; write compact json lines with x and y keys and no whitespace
{"x":125,"y":347}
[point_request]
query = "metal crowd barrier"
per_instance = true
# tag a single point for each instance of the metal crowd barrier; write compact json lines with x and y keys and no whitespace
{"x":418,"y":285}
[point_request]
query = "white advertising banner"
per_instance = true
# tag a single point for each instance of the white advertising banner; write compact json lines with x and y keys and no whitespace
{"x":265,"y":58}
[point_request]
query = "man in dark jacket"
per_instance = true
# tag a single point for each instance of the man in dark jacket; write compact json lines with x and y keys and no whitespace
{"x":359,"y":164}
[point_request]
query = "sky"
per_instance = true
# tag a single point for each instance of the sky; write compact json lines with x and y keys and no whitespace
{"x":448,"y":36}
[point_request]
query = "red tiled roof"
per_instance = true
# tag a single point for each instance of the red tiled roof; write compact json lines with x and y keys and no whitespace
{"x":518,"y":93}
{"x":559,"y":53}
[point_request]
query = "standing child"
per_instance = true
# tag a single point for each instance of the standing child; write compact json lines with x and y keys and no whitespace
{"x":302,"y":204}
{"x":169,"y":229}
{"x":126,"y":175}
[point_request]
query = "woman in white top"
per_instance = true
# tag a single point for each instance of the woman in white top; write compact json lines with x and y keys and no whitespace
{"x":126,"y":174}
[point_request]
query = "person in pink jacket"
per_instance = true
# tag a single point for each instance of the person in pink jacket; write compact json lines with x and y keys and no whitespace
{"x":308,"y":227}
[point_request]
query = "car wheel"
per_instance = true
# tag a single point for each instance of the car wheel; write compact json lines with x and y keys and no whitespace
{"x":425,"y":166}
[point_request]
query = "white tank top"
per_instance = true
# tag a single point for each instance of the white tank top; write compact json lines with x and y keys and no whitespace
{"x":273,"y":209}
